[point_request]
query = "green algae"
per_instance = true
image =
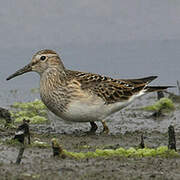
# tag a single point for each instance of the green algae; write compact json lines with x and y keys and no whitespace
{"x":33,"y":120}
{"x":163,"y":105}
{"x":34,"y":111}
{"x":161,"y":151}
{"x":37,"y":104}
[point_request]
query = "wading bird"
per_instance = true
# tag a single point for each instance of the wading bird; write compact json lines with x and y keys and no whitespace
{"x":83,"y":97}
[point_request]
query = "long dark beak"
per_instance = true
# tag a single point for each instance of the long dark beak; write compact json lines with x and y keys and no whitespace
{"x":23,"y":70}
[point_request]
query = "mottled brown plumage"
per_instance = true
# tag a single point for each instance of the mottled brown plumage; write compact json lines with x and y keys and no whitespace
{"x":79,"y":96}
{"x":109,"y":89}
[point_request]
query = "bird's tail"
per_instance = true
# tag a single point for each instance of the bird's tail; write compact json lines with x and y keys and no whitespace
{"x":157,"y":88}
{"x":145,"y":80}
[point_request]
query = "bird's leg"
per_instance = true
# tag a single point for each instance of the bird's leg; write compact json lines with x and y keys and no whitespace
{"x":93,"y":127}
{"x":105,"y":127}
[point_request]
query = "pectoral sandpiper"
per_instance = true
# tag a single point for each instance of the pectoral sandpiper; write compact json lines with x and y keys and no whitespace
{"x":83,"y":97}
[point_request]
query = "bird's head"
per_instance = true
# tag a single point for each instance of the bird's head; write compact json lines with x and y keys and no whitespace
{"x":40,"y":62}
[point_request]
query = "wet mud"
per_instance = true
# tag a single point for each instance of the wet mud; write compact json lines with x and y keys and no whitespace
{"x":126,"y":128}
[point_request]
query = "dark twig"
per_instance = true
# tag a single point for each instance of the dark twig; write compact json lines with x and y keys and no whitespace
{"x":5,"y":114}
{"x":21,"y":151}
{"x":22,"y":132}
{"x":57,"y":149}
{"x":160,"y":94}
{"x":172,"y":138}
{"x":178,"y":86}
{"x":142,"y":145}
{"x":157,"y":114}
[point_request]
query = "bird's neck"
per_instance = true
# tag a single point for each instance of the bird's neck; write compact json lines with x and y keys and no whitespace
{"x":52,"y":87}
{"x":52,"y":77}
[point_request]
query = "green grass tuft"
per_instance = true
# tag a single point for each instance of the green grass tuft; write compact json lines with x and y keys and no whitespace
{"x":161,"y":151}
{"x":163,"y":105}
{"x":34,"y":111}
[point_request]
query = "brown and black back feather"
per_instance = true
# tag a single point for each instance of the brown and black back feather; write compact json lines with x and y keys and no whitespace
{"x":113,"y":90}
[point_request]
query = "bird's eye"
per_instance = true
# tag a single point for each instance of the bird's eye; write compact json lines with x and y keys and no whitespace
{"x":43,"y":58}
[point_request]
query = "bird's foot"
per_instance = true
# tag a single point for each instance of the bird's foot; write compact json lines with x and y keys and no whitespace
{"x":105,"y":127}
{"x":93,"y":128}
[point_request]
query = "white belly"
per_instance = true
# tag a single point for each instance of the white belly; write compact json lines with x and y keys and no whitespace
{"x":93,"y":109}
{"x":85,"y":111}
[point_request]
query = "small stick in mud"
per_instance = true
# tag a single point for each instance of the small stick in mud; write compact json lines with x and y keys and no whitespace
{"x":160,"y":95}
{"x":142,"y":145}
{"x":57,"y":149}
{"x":178,"y":86}
{"x":157,"y":114}
{"x":172,"y":138}
{"x":5,"y":114}
{"x":20,"y":134}
{"x":23,"y":131}
{"x":21,"y":151}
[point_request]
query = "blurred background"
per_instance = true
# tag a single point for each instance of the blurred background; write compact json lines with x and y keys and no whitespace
{"x":122,"y":39}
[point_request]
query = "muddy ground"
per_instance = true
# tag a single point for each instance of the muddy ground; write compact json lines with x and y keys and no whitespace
{"x":126,"y":128}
